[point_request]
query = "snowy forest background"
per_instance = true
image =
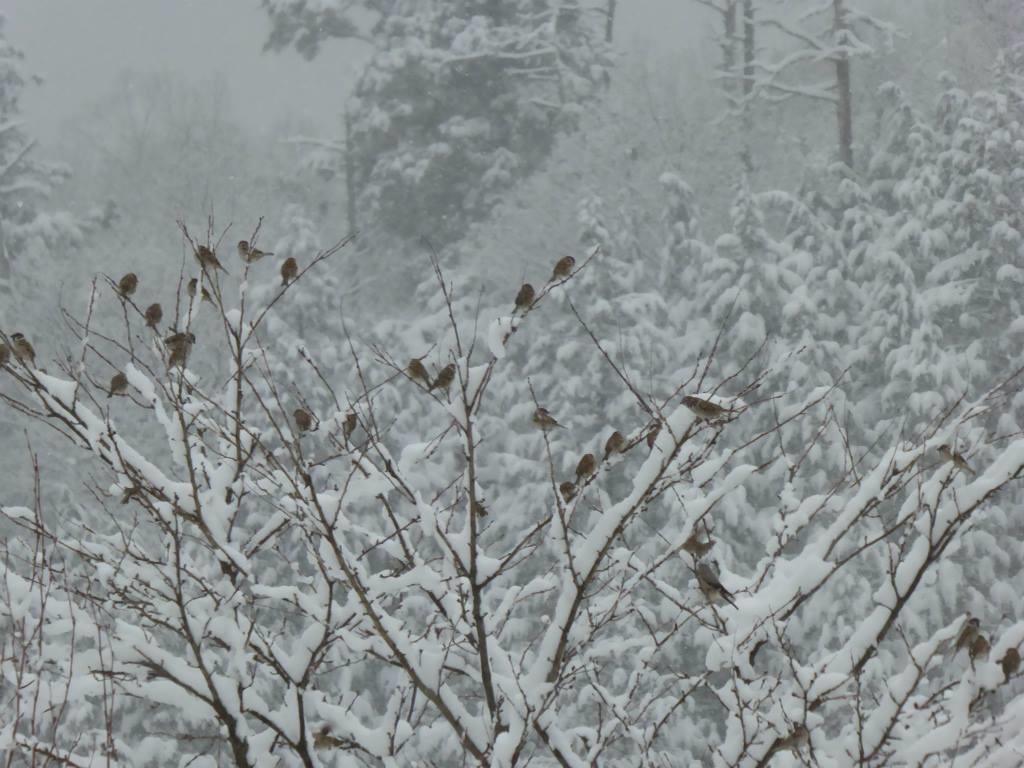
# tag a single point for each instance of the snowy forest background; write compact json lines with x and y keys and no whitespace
{"x":280,"y":545}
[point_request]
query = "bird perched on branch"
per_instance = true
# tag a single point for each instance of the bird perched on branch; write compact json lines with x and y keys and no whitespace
{"x":444,"y":379}
{"x":180,"y":346}
{"x":544,"y":421}
{"x":1010,"y":662}
{"x":303,"y":419}
{"x":615,"y":443}
{"x":586,"y":468}
{"x":154,"y":314}
{"x":696,"y":547}
{"x":800,"y":737}
{"x":208,"y":259}
{"x":948,"y":455}
{"x":118,"y":385}
{"x":192,"y":287}
{"x":416,"y":371}
{"x":250,"y":254}
{"x":710,"y":586}
{"x":968,"y":633}
{"x":568,"y":491}
{"x":652,"y":434}
{"x":289,"y":270}
{"x":525,"y":296}
{"x":126,"y":285}
{"x":349,"y":425}
{"x":705,"y":409}
{"x":979,"y":648}
{"x":563,"y":268}
{"x":23,"y":351}
{"x":322,"y":740}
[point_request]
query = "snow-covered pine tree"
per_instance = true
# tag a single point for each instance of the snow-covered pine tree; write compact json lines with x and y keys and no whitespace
{"x":460,"y":99}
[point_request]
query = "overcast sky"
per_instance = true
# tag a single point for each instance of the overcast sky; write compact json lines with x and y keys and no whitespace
{"x":79,"y":46}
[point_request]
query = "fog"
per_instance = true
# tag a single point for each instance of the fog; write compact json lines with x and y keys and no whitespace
{"x":436,"y":383}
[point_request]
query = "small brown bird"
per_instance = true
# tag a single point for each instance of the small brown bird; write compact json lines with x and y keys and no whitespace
{"x":118,"y":385}
{"x":615,"y":443}
{"x":349,"y":426}
{"x":208,"y":259}
{"x":568,"y":491}
{"x":710,"y":585}
{"x":979,"y":648}
{"x":705,"y":409}
{"x":1010,"y":662}
{"x":525,"y":296}
{"x":126,"y":285}
{"x":544,"y":421}
{"x":250,"y":254}
{"x":563,"y":268}
{"x":479,"y":509}
{"x":303,"y":419}
{"x":800,"y":737}
{"x":444,"y":379}
{"x":154,"y":314}
{"x":180,"y":346}
{"x":968,"y":633}
{"x":653,"y":433}
{"x":416,"y":371}
{"x":949,"y":455}
{"x":322,"y":740}
{"x":193,"y":284}
{"x":586,"y":468}
{"x":5,"y":354}
{"x":289,"y":270}
{"x":23,"y":351}
{"x":696,"y":547}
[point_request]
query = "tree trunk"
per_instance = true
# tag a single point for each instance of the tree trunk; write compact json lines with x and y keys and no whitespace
{"x":729,"y":42}
{"x":844,"y":105}
{"x":749,"y":51}
{"x":609,"y":23}
{"x":350,"y":182}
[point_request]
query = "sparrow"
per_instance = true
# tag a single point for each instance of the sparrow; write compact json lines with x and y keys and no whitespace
{"x":1010,"y":662}
{"x":979,"y":648}
{"x":193,"y":284}
{"x":444,"y":379}
{"x":416,"y":371}
{"x":525,"y":296}
{"x":208,"y":259}
{"x":24,"y":352}
{"x":653,"y":433}
{"x":696,"y":547}
{"x":126,"y":285}
{"x":303,"y":419}
{"x":349,"y":426}
{"x":479,"y":509}
{"x":544,"y":421}
{"x":289,"y":270}
{"x":180,"y":345}
{"x":568,"y":491}
{"x":586,"y":468}
{"x":250,"y":254}
{"x":563,"y":268}
{"x":322,"y":739}
{"x":614,"y":444}
{"x":705,"y":409}
{"x":154,"y":314}
{"x":118,"y":385}
{"x":800,"y":737}
{"x":710,"y":586}
{"x":968,"y":633}
{"x":5,"y":354}
{"x":949,"y":455}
